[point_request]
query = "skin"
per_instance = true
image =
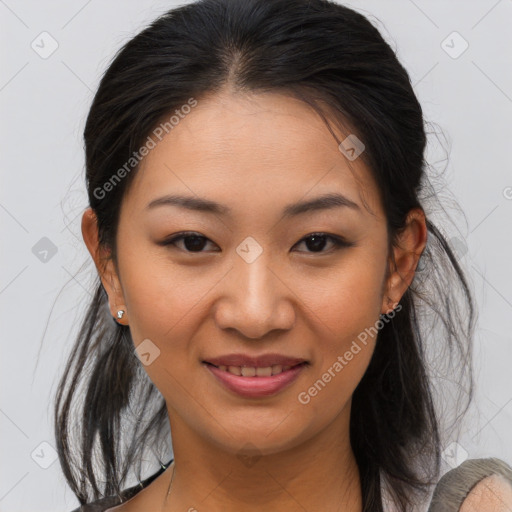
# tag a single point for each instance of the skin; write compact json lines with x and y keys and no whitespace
{"x":255,"y":154}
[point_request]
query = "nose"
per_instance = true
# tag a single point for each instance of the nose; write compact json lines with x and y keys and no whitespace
{"x":255,"y":299}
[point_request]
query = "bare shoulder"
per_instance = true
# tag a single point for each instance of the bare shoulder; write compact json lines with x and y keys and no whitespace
{"x":492,"y":494}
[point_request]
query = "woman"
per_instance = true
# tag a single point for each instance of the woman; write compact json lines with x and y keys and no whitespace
{"x":255,"y":171}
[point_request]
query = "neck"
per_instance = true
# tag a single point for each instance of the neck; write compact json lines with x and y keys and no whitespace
{"x":318,"y":474}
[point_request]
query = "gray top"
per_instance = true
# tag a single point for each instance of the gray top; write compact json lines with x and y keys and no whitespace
{"x":454,"y":487}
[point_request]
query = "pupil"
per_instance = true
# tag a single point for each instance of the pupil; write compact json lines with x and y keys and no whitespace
{"x":197,"y":242}
{"x":318,"y":242}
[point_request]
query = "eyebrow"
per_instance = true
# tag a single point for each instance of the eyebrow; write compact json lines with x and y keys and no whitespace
{"x":325,"y":202}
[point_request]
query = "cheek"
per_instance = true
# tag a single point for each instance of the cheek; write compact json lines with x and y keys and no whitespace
{"x":162,"y":299}
{"x":344,"y":311}
{"x":166,"y":306}
{"x":348,"y":299}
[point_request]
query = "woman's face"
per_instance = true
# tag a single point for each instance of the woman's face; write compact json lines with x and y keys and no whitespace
{"x":255,"y":283}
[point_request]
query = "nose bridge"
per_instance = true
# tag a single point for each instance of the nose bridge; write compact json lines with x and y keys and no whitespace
{"x":258,"y":281}
{"x":255,"y":300}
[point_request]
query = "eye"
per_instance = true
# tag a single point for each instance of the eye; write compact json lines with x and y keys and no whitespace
{"x":317,"y":241}
{"x":193,"y":242}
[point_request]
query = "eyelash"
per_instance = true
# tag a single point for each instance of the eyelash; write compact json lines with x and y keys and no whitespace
{"x":339,"y":243}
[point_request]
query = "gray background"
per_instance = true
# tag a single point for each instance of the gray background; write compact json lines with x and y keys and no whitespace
{"x":43,"y":104}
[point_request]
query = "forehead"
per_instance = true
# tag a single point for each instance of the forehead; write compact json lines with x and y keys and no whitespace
{"x":239,"y":149}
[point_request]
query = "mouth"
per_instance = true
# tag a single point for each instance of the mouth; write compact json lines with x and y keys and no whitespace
{"x":252,"y":377}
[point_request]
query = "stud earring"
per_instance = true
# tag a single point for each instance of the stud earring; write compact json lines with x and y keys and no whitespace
{"x":120,"y":313}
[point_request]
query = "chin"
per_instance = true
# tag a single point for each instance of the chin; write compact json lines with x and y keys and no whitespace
{"x":258,"y":437}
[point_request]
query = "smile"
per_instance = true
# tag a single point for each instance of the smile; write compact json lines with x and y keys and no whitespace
{"x":255,"y":382}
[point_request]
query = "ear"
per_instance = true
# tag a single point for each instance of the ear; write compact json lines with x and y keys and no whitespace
{"x":105,"y":266}
{"x":403,"y":261}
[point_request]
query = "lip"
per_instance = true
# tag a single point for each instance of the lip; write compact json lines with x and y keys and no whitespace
{"x":261,"y":361}
{"x":256,"y":387}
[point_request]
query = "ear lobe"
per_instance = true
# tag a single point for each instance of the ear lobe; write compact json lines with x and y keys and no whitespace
{"x":102,"y":260}
{"x":411,"y":242}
